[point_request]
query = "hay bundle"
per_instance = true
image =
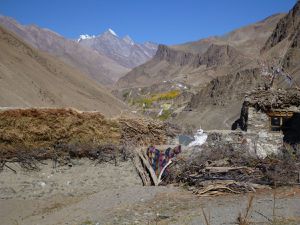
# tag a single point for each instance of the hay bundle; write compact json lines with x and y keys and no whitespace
{"x":35,"y":128}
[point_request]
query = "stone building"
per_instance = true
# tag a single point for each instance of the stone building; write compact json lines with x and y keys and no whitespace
{"x":271,"y":118}
{"x":269,"y":121}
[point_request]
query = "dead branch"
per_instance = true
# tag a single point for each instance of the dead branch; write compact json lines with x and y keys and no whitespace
{"x":143,"y":174}
{"x":148,"y":166}
{"x":156,"y":180}
{"x":10,"y":168}
{"x":227,"y":169}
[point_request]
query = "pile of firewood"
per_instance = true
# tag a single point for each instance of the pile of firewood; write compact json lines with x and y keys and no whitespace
{"x":215,"y":180}
{"x":144,"y":132}
{"x":212,"y":172}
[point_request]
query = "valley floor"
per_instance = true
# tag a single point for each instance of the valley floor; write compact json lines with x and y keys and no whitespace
{"x":107,"y":194}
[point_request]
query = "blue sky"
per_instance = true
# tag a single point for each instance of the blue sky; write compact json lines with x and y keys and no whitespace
{"x":161,"y":21}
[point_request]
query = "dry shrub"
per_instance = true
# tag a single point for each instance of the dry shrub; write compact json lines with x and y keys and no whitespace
{"x":63,"y":154}
{"x":244,"y":219}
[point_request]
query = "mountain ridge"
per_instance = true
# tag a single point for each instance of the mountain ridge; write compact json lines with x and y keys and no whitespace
{"x":31,"y":78}
{"x":175,"y":62}
{"x":97,"y":66}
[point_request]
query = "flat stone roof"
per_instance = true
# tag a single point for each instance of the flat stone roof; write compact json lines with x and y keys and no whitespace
{"x":270,"y":100}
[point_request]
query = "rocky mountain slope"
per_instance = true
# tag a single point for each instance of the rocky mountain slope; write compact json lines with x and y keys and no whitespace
{"x":98,"y":66}
{"x":198,"y":62}
{"x":124,"y":51}
{"x":218,"y":104}
{"x":285,"y":42}
{"x":219,"y":71}
{"x":30,"y":78}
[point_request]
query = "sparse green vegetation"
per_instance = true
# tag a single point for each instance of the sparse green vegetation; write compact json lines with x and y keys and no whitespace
{"x":147,"y":102}
{"x":87,"y":222}
{"x":165,"y":114}
{"x":166,"y":96}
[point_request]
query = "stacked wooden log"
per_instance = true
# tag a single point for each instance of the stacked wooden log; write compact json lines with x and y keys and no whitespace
{"x":145,"y":170}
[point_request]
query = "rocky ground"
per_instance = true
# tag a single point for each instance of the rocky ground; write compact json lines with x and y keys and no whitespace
{"x":85,"y":193}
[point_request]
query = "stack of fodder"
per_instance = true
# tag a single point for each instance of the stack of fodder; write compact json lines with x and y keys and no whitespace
{"x":35,"y":128}
{"x":28,"y":136}
{"x":63,"y":133}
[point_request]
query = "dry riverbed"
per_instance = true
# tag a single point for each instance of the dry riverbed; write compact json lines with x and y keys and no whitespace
{"x":89,"y":193}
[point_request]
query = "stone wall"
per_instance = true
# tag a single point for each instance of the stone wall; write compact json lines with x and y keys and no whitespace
{"x":267,"y":143}
{"x":257,"y":121}
{"x":256,"y":144}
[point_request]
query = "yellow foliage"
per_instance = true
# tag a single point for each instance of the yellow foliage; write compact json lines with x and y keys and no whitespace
{"x":165,"y":96}
{"x":160,"y":97}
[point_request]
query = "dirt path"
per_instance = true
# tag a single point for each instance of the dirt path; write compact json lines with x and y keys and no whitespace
{"x":105,"y":194}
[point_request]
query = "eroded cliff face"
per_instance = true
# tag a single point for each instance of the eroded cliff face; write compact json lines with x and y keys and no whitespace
{"x":285,"y":42}
{"x":292,"y":56}
{"x":287,"y":27}
{"x":169,"y":63}
{"x":218,"y":70}
{"x":173,"y":56}
{"x":196,"y":63}
{"x":216,"y":55}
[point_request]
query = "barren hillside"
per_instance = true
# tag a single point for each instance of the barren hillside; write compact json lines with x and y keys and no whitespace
{"x":94,"y":64}
{"x":30,"y":78}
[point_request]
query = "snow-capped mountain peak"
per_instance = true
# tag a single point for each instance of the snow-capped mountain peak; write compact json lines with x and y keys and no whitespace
{"x":120,"y":49}
{"x":128,"y":40}
{"x":85,"y":36}
{"x":112,"y":32}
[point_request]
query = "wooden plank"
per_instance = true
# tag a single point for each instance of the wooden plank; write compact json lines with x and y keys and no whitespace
{"x":281,"y":113}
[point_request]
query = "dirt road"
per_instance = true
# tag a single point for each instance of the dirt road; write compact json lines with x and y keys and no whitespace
{"x":108,"y":194}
